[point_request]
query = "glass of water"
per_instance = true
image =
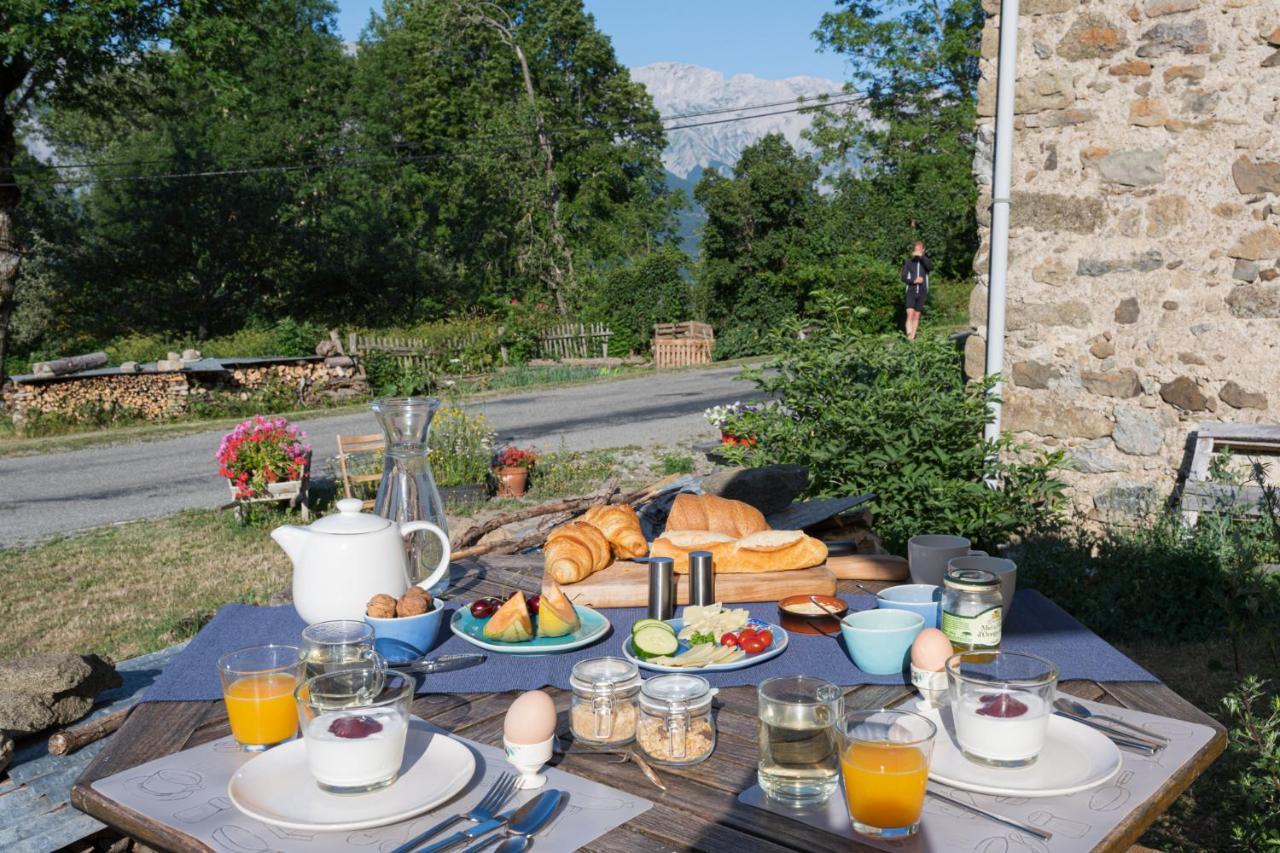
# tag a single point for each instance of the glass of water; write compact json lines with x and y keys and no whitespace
{"x":337,"y":646}
{"x":799,"y":739}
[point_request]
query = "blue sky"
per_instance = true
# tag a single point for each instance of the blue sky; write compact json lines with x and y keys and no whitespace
{"x":767,"y":38}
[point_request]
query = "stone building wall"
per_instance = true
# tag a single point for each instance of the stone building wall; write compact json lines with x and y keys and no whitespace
{"x":1144,"y":281}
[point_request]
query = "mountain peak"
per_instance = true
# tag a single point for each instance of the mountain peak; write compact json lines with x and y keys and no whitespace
{"x":678,"y":87}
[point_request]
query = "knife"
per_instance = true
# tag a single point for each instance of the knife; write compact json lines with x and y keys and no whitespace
{"x":488,"y":826}
{"x":1118,"y":738}
{"x":529,"y":821}
{"x":445,"y":663}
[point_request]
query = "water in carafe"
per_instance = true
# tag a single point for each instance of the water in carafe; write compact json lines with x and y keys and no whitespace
{"x":407,"y":491}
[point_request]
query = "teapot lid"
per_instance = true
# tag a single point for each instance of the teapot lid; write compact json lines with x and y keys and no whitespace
{"x":350,"y":519}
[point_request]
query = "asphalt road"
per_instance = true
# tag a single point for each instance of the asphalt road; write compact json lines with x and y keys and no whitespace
{"x":62,"y":492}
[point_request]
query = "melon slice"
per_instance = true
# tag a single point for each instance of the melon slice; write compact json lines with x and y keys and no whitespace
{"x":511,"y":622}
{"x":556,"y":616}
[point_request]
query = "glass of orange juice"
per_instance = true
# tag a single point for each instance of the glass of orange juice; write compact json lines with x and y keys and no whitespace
{"x":257,"y":687}
{"x":884,"y":761}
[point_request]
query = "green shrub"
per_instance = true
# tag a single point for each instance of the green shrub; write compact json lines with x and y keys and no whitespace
{"x":677,"y":463}
{"x":881,"y":414}
{"x":139,"y":348}
{"x":632,"y":298}
{"x":1253,"y":800}
{"x":461,"y":447}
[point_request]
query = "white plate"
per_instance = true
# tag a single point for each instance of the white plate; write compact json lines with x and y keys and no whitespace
{"x":777,"y":647}
{"x":276,"y":787}
{"x":1075,"y":758}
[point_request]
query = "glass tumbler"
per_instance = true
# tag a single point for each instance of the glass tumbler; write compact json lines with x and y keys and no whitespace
{"x":1001,"y":702}
{"x":884,"y":760}
{"x":257,"y":687}
{"x":799,"y":756}
{"x":337,"y":646}
{"x":355,"y":746}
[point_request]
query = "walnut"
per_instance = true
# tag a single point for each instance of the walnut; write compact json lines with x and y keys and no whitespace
{"x":418,"y":591}
{"x":413,"y":605}
{"x":381,"y":607}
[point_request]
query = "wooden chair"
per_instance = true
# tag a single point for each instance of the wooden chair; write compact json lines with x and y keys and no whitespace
{"x":349,"y":444}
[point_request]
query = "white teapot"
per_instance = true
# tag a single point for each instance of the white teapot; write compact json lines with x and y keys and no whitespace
{"x":343,"y":560}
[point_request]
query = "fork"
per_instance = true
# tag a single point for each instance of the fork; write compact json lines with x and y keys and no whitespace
{"x":483,"y":811}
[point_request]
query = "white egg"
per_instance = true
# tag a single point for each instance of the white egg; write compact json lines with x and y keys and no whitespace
{"x":930,"y":650}
{"x":530,"y":719}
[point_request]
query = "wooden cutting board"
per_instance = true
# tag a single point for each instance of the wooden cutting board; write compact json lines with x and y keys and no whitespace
{"x":867,"y":567}
{"x":626,"y":584}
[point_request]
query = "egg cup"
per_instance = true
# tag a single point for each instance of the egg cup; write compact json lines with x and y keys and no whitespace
{"x":528,"y":758}
{"x":932,"y":687}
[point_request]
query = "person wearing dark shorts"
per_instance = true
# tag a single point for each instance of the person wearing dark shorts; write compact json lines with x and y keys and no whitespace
{"x":915,"y":278}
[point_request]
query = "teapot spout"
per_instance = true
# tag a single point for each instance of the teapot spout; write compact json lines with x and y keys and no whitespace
{"x":291,"y":538}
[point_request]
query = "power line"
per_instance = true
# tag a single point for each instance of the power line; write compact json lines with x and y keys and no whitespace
{"x":819,"y":101}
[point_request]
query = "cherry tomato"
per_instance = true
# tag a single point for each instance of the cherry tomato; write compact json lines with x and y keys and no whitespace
{"x":752,"y":645}
{"x":766,"y":637}
{"x":745,"y":634}
{"x":730,"y":640}
{"x":534,"y":601}
{"x":482,"y":609}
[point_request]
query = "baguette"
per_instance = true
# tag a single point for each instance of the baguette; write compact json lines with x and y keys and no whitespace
{"x":766,"y":551}
{"x":708,"y":512}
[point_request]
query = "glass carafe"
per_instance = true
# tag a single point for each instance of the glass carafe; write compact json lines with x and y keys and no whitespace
{"x":407,"y":491}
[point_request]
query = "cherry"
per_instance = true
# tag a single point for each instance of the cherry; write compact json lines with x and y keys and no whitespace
{"x":533,"y":602}
{"x":1002,"y":705}
{"x":355,"y":728}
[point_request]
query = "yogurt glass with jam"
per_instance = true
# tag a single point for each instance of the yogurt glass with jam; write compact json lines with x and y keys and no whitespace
{"x":354,"y":726}
{"x":1000,"y":705}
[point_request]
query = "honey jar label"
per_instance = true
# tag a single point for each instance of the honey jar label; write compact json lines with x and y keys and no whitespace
{"x":981,"y":630}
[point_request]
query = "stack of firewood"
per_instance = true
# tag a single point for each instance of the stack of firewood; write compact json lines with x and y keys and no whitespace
{"x":297,"y":375}
{"x":151,"y":396}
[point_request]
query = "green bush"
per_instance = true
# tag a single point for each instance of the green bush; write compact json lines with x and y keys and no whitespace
{"x":461,"y":447}
{"x":881,"y":414}
{"x":632,"y":298}
{"x":1253,"y":803}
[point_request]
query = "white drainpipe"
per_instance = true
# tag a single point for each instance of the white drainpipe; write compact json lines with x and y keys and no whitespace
{"x":996,"y":280}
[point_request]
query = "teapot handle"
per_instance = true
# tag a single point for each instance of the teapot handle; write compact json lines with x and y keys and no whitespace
{"x":442,"y":568}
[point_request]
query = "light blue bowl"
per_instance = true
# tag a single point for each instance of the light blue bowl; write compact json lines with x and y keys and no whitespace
{"x":922,"y":598}
{"x":407,"y":637}
{"x":880,"y":640}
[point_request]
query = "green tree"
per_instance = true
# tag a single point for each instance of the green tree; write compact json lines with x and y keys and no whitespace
{"x":755,"y":241}
{"x":917,"y":66}
{"x":648,"y":289}
{"x":53,"y":52}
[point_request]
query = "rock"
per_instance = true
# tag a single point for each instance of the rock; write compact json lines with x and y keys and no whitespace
{"x":1148,"y":112}
{"x":39,"y":692}
{"x":1272,"y":61}
{"x":1146,"y":262}
{"x":1133,"y":168}
{"x":1051,"y":212}
{"x":168,"y":365}
{"x":1183,"y":393}
{"x":1194,"y":73}
{"x":1053,"y":417}
{"x":1238,"y":397}
{"x":1041,"y":7}
{"x":1063,"y":118}
{"x":1245,"y":270}
{"x":1042,"y":50}
{"x":769,"y":488}
{"x":1169,"y":305}
{"x":1051,"y":271}
{"x":130,"y":367}
{"x":1137,"y":432}
{"x":1191,"y":358}
{"x":1127,"y":311}
{"x":1189,"y":38}
{"x":191,"y":355}
{"x":1269,"y":274}
{"x":1199,"y":103}
{"x":1129,"y":499}
{"x":1166,"y":213}
{"x":1156,"y":8}
{"x":1252,"y":178}
{"x":1132,"y":68}
{"x":1089,"y":460}
{"x":1102,"y":347}
{"x":1069,"y":313}
{"x":1122,"y":383}
{"x":1044,"y":90}
{"x":975,"y":356}
{"x":978,"y":305}
{"x":1091,"y":36}
{"x":1257,"y":245}
{"x":1274,"y":38}
{"x":339,"y":361}
{"x":1034,"y":374}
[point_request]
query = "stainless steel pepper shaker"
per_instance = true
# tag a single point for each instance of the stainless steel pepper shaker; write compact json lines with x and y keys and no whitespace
{"x":702,"y":578}
{"x":662,"y":588}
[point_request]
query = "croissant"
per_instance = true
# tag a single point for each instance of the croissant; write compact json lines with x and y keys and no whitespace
{"x":621,"y":527}
{"x":574,"y":551}
{"x":722,"y":515}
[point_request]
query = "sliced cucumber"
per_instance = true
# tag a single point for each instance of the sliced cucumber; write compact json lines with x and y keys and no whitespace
{"x":652,"y":641}
{"x":645,"y":623}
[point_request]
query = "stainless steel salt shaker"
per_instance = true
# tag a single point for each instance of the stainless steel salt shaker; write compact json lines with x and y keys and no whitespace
{"x":702,"y":578}
{"x":662,"y":588}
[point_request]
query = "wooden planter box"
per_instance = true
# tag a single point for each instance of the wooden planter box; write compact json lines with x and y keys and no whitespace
{"x":293,"y":491}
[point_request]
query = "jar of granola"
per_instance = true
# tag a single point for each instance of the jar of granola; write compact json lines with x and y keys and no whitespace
{"x":675,"y":720}
{"x":603,"y":710}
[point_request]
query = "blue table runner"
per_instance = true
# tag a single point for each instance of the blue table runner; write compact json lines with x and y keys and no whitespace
{"x":1036,"y":625}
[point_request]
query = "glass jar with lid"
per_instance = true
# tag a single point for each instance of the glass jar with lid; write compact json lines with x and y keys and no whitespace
{"x":676,"y":727}
{"x":603,"y":710}
{"x":972,"y":609}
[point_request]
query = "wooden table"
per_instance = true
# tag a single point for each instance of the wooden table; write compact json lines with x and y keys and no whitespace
{"x":700,"y":808}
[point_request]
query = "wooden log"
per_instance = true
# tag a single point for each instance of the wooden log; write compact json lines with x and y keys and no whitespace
{"x":70,"y":739}
{"x":71,"y":364}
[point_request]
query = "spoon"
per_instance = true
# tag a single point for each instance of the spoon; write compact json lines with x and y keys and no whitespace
{"x":531,"y":818}
{"x":1062,"y":703}
{"x":827,"y":610}
{"x":869,"y":592}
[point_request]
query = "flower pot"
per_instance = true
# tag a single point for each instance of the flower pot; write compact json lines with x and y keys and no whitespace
{"x":512,"y":482}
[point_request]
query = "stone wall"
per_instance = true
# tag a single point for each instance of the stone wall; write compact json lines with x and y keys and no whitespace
{"x":1144,"y":285}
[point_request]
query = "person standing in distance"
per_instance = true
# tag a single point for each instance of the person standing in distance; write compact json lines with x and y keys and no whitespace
{"x":915,"y":276}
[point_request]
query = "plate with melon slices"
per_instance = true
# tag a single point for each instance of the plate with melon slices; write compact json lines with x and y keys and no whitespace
{"x":512,"y":627}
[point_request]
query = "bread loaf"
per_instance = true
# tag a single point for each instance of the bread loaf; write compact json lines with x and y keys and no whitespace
{"x":574,"y":551}
{"x":621,"y":527}
{"x":708,"y":512}
{"x":766,"y":551}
